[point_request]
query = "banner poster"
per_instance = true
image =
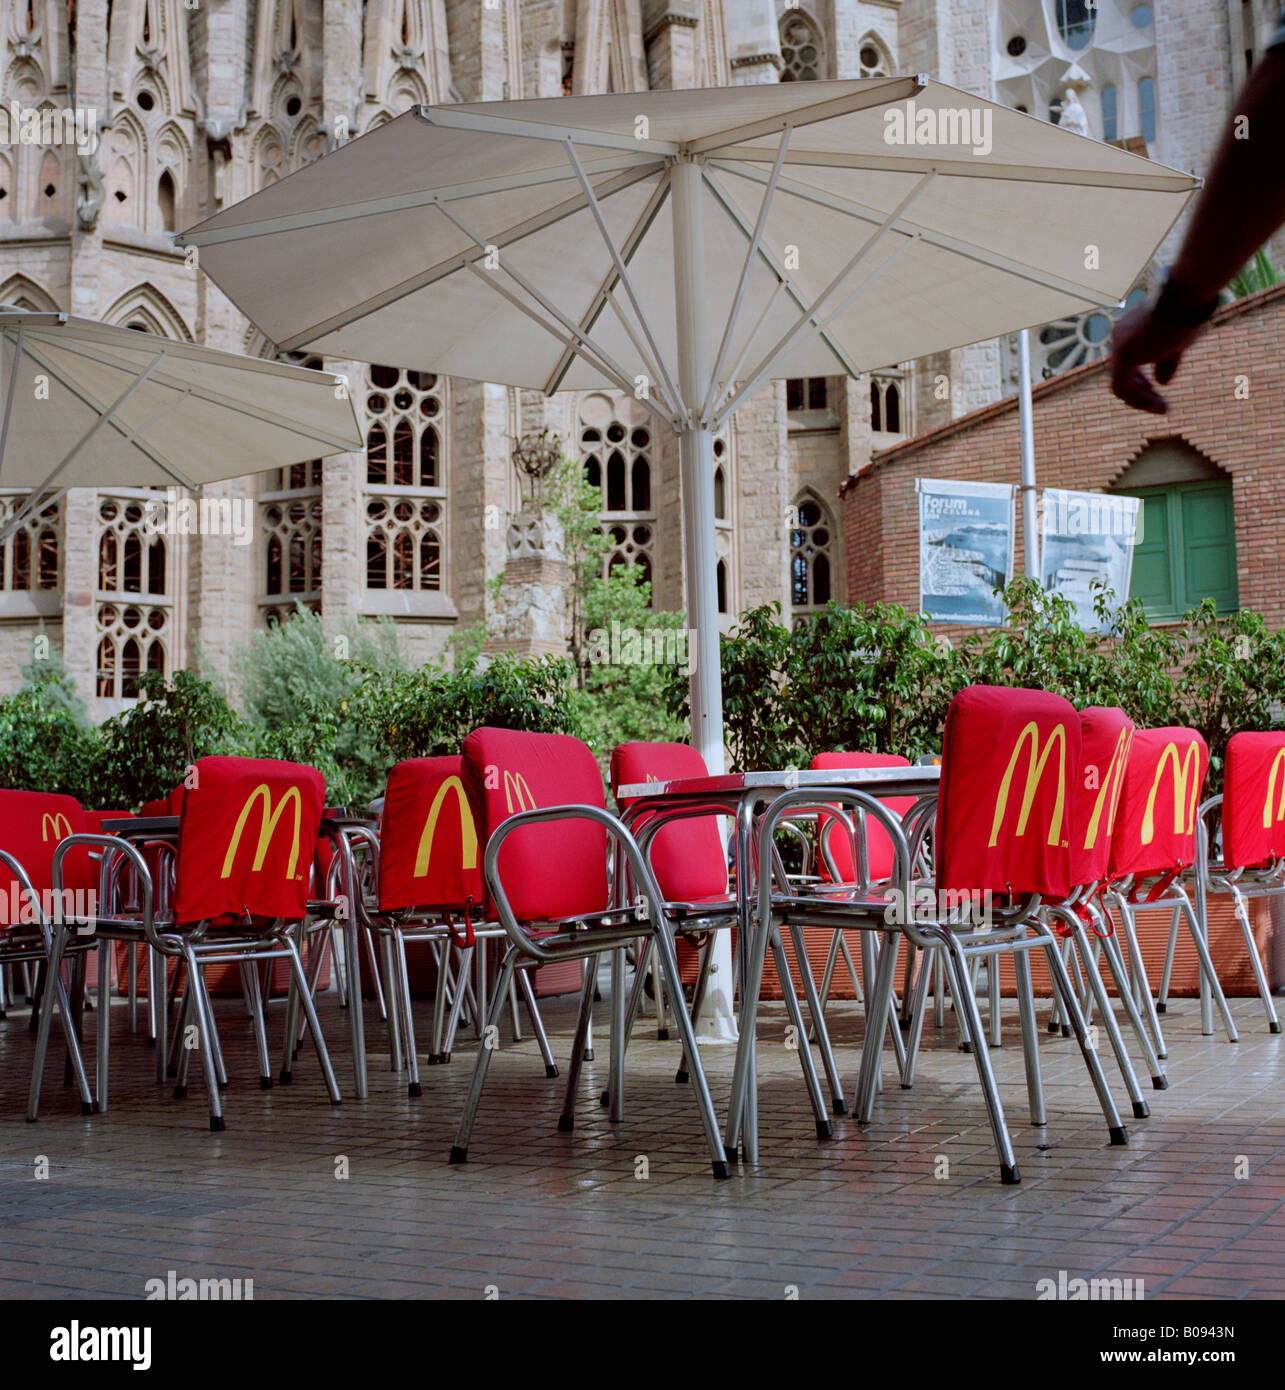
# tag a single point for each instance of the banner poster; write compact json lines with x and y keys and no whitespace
{"x":965,"y":549}
{"x":1086,"y":536}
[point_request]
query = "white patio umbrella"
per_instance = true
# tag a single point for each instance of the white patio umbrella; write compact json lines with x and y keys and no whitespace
{"x":87,"y":404}
{"x":813,"y":230}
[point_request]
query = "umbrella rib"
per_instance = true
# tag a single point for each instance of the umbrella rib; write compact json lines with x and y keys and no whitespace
{"x":13,"y":381}
{"x":35,"y":501}
{"x":400,"y":202}
{"x":610,"y":243}
{"x":730,"y":208}
{"x":568,"y":208}
{"x":579,"y":344}
{"x":105,"y":417}
{"x":1141,"y":182}
{"x":751,"y":254}
{"x":454,"y":118}
{"x":860,"y":100}
{"x":941,"y":240}
{"x":890,"y":223}
{"x":599,"y":301}
{"x":618,"y":372}
{"x":268,"y":417}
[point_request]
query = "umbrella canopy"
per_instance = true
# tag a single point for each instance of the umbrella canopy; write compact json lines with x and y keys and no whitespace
{"x":811,"y":229}
{"x":86,"y":403}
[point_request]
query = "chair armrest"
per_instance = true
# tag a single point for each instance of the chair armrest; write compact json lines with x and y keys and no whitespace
{"x":111,"y":846}
{"x":653,"y":909}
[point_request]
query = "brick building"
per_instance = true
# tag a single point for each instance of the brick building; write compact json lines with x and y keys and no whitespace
{"x":1210,"y":472}
{"x":200,"y":105}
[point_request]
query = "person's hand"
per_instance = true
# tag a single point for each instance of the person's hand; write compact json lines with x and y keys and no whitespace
{"x":1138,"y":340}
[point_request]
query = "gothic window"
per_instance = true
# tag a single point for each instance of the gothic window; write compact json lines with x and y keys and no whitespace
{"x":885,"y":405}
{"x":405,"y":492}
{"x":721,"y":575}
{"x":290,"y":514}
{"x":134,"y":609}
{"x":617,"y":460}
{"x":29,"y":558}
{"x":1110,"y":113}
{"x":810,"y":546}
{"x":165,"y":200}
{"x":873,"y":58}
{"x":1075,"y":21}
{"x":805,"y":393}
{"x":802,"y":52}
{"x":1147,"y":108}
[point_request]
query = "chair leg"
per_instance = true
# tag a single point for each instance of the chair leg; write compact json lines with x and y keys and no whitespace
{"x":1207,"y":969}
{"x":457,"y":1001}
{"x":1140,"y":1107}
{"x":880,"y":1000}
{"x":104,"y":1023}
{"x":55,"y":946}
{"x":567,"y":1120}
{"x":618,"y":1041}
{"x":490,"y":1039}
{"x":133,"y":991}
{"x":966,"y":1005}
{"x":698,"y":999}
{"x":994,"y":1014}
{"x":795,"y":1015}
{"x":1062,"y":983}
{"x":837,"y":1101}
{"x":204,"y":1011}
{"x":743,"y":1072}
{"x":184,"y":1042}
{"x":1115,"y":963}
{"x":442,"y":951}
{"x":1138,"y":975}
{"x":1166,"y":975}
{"x":318,"y":1042}
{"x":402,"y":975}
{"x":254,"y":999}
{"x":392,"y":994}
{"x":1030,"y":1039}
{"x":668,"y":959}
{"x":918,"y":1006}
{"x":368,"y":941}
{"x":1255,"y":961}
{"x":537,"y":1023}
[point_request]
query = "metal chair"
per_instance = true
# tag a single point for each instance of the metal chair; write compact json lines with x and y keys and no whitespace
{"x":539,"y":803}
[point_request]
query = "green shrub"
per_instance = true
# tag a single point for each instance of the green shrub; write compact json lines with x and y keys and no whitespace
{"x":47,"y":742}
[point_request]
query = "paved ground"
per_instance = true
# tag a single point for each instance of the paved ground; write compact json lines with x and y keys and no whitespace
{"x":1194,"y":1207}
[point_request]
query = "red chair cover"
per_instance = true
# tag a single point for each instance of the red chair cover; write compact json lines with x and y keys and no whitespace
{"x":555,"y":869}
{"x":1155,"y":826}
{"x":31,"y":826}
{"x":878,"y":844}
{"x":1106,"y":736}
{"x":430,"y":855}
{"x":247,"y":838}
{"x":687,"y":856}
{"x":1254,"y":800}
{"x":1006,"y":807}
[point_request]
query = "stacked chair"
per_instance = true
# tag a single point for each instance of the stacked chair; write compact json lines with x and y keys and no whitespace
{"x":546,"y":879}
{"x":1250,"y":814}
{"x":999,"y":839}
{"x":1153,"y":847}
{"x":247,"y":836}
{"x":428,"y":891}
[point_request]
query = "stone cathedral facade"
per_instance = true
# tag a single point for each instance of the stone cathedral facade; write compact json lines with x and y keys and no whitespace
{"x":201,"y":102}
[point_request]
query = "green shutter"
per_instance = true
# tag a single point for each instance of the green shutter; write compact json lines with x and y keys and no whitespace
{"x":1188,"y":549}
{"x":1209,"y":546}
{"x":1152,"y":573}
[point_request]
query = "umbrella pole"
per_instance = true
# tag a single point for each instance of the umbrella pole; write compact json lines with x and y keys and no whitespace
{"x":696,"y":467}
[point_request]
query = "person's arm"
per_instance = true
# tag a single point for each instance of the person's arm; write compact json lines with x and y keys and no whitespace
{"x":1240,"y":206}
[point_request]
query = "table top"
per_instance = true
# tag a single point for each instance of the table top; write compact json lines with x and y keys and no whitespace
{"x":132,"y":827}
{"x":909,"y":781}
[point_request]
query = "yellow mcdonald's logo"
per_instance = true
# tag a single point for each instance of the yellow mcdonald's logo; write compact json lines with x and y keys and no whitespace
{"x":517,"y":793}
{"x":269,"y":817}
{"x":1034,"y":774}
{"x":59,"y":824}
{"x":1278,"y":765}
{"x":1109,"y":792}
{"x":468,"y":832}
{"x":1183,"y":773}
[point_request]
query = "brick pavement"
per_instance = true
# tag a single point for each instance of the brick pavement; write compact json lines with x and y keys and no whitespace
{"x":147,"y":1188}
